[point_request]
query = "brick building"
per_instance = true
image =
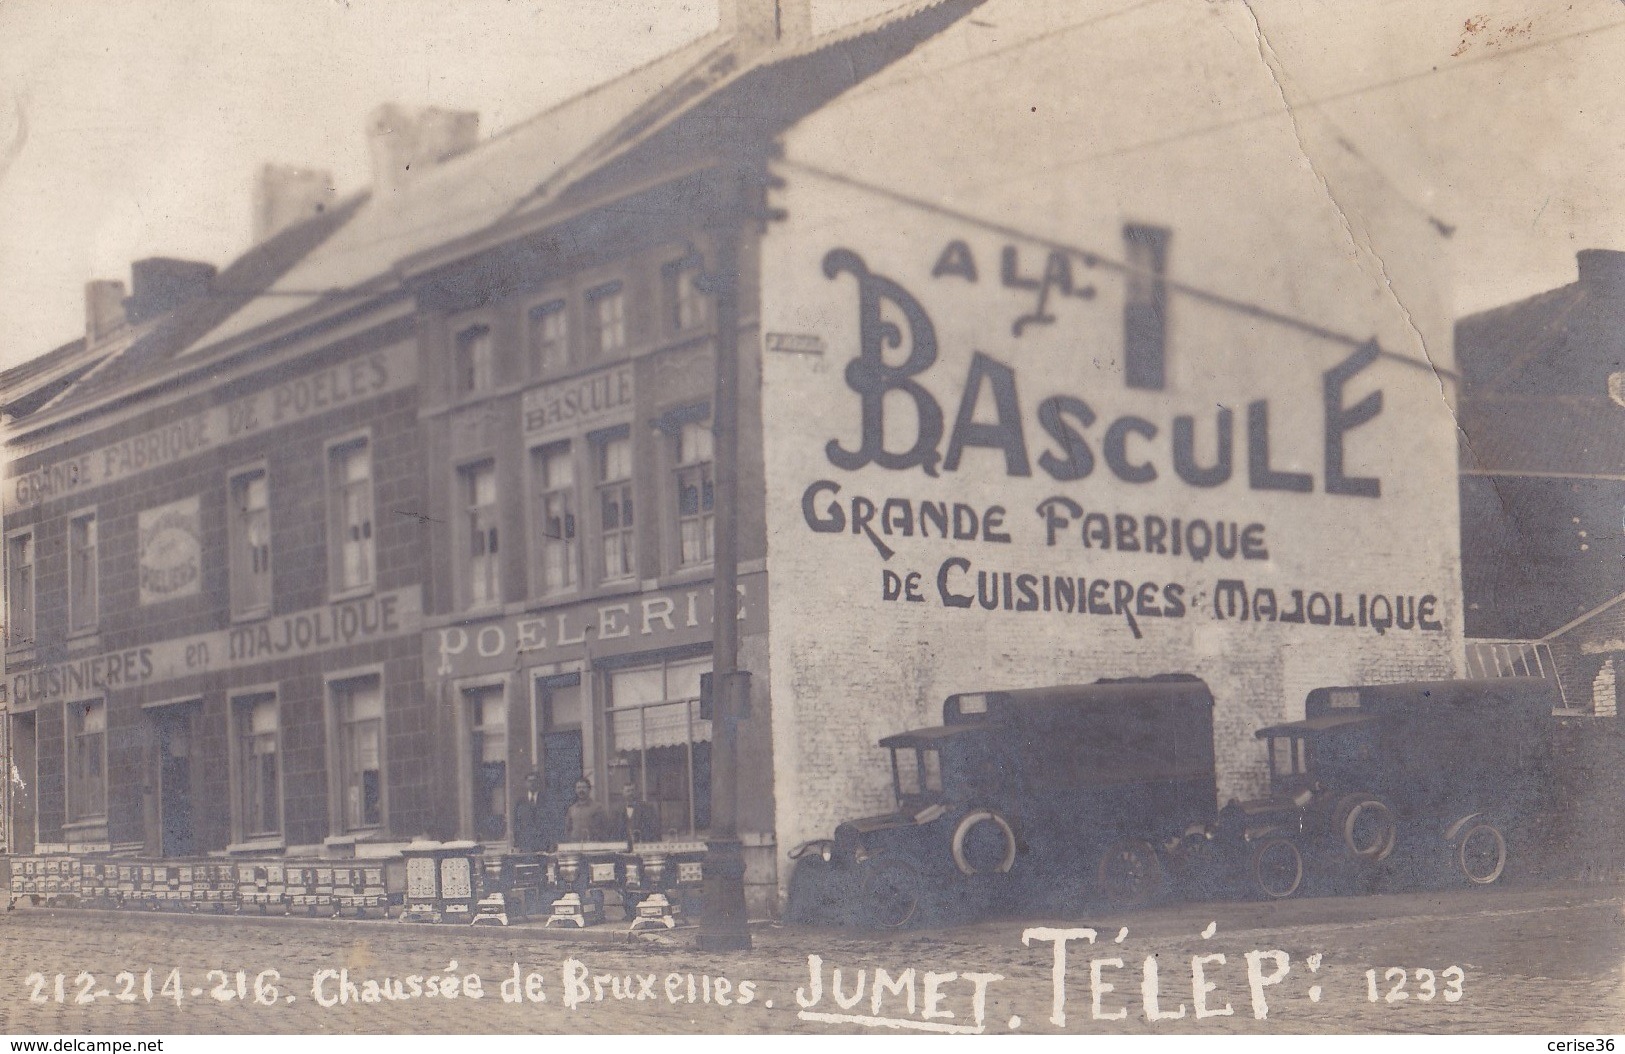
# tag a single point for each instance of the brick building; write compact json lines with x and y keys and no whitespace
{"x":995,"y":430}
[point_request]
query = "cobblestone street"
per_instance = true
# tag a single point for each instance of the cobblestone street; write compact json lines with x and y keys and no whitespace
{"x":1523,"y":960}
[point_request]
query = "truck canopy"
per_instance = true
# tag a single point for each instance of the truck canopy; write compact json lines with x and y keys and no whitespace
{"x":1519,"y":697}
{"x":1113,"y":731}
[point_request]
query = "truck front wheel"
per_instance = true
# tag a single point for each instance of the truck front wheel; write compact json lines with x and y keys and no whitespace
{"x":1276,"y":867}
{"x":891,"y":892}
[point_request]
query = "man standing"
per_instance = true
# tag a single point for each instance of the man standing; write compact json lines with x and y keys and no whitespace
{"x":529,"y":820}
{"x":586,"y":821}
{"x":640,"y":820}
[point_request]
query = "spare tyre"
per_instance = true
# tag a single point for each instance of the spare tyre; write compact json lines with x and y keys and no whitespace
{"x":983,"y":843}
{"x":1365,"y":825}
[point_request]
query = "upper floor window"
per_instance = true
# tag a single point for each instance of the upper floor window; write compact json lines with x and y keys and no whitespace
{"x":357,"y":773}
{"x":547,"y":335}
{"x":606,"y":319}
{"x":250,"y":540}
{"x":87,"y":760}
{"x":259,"y":788}
{"x":615,"y":519}
{"x":82,"y":572}
{"x":478,"y":484}
{"x":349,"y":500}
{"x":20,"y":589}
{"x":695,"y":498}
{"x":476,"y":360}
{"x":556,"y":550}
{"x":686,"y":304}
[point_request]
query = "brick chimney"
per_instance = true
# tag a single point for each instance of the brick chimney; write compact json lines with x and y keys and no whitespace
{"x":767,"y":22}
{"x":159,"y":285}
{"x":285,"y":195}
{"x":403,"y":141}
{"x":104,"y":309}
{"x":1602,"y":271}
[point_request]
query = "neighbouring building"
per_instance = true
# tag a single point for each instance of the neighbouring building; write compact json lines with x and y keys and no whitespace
{"x":421,"y":495}
{"x":1543,"y":482}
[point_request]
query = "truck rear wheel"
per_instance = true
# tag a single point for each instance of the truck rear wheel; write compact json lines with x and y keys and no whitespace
{"x":1276,"y":867}
{"x":1130,"y":873}
{"x":1481,"y":853}
{"x":1366,"y":826}
{"x":983,"y":843}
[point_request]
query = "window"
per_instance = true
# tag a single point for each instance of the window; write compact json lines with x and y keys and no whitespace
{"x":87,"y":760}
{"x":20,"y":588}
{"x":259,"y":787}
{"x":476,"y":360}
{"x":487,"y":710}
{"x":1145,"y":305}
{"x":547,"y":335}
{"x":82,"y":572}
{"x":615,"y":519}
{"x":686,"y":304}
{"x":479,"y":490}
{"x":655,"y":730}
{"x":606,"y":319}
{"x":557,"y":554}
{"x":695,"y":515}
{"x":250,"y":542}
{"x":349,"y":502}
{"x":358,"y":714}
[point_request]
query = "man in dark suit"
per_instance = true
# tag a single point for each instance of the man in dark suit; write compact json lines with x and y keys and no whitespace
{"x":639,"y":820}
{"x":529,"y":819}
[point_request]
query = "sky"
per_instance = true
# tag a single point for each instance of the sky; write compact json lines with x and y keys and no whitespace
{"x":132,"y":129}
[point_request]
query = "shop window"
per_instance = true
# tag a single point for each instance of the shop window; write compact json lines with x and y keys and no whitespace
{"x":606,"y":319}
{"x":87,"y":760}
{"x":615,"y":513}
{"x":476,"y":360}
{"x":482,"y":576}
{"x":349,"y":499}
{"x":487,"y":710}
{"x":250,"y":530}
{"x":82,"y":573}
{"x":695,"y":494}
{"x":655,"y":733}
{"x":358,"y":776}
{"x":1145,"y":306}
{"x":20,"y":589}
{"x":547,"y":336}
{"x":557,"y":552}
{"x":687,"y":306}
{"x":255,"y":720}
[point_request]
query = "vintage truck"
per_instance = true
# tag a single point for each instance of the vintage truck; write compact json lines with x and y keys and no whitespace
{"x":1410,"y":779}
{"x":1076,"y":786}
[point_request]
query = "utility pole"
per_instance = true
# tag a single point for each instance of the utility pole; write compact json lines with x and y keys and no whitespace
{"x":723,"y":924}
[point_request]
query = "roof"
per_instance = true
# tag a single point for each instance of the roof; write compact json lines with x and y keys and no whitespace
{"x":710,"y":94}
{"x":1535,"y":392}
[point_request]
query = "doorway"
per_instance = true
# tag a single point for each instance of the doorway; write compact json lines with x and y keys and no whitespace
{"x":177,"y":834}
{"x":559,"y":706}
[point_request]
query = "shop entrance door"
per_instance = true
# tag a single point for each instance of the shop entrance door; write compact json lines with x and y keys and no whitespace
{"x":559,"y":700}
{"x":176,"y":832}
